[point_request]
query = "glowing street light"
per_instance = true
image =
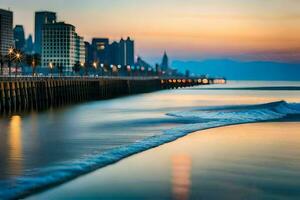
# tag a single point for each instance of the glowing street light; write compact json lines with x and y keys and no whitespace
{"x":18,"y":55}
{"x":95,"y":65}
{"x":10,"y":51}
{"x":51,"y":66}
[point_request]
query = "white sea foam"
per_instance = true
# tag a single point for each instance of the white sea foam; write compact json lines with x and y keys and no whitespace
{"x":214,"y":117}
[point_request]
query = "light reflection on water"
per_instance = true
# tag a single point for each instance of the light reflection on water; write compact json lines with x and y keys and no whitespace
{"x":15,"y":145}
{"x":181,"y":176}
{"x":250,"y":161}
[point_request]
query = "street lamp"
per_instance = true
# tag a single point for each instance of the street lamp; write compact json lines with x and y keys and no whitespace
{"x":95,"y":66}
{"x":10,"y":52}
{"x":18,"y":57}
{"x":82,"y":64}
{"x":102,"y":69}
{"x":51,"y":68}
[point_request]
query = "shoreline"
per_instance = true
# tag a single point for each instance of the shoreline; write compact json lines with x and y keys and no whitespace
{"x":77,"y":169}
{"x":78,"y":176}
{"x":89,"y":180}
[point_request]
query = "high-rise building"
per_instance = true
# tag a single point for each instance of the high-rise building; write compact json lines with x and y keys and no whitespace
{"x":126,"y":52}
{"x":29,"y":45}
{"x":88,"y":53}
{"x":61,"y":46}
{"x":165,"y":62}
{"x":6,"y":31}
{"x":100,"y":50}
{"x":129,"y":51}
{"x":122,"y":52}
{"x":41,"y":18}
{"x":114,"y":53}
{"x":19,"y":37}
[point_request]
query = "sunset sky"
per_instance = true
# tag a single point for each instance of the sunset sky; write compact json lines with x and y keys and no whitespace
{"x":188,"y":30}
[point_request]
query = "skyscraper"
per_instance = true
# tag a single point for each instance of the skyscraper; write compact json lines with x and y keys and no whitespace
{"x":88,"y":53}
{"x":129,"y":51}
{"x":41,"y":18}
{"x":29,"y":45}
{"x":126,"y":50}
{"x":122,"y":52}
{"x":114,"y":53}
{"x":100,"y":50}
{"x":19,"y":37}
{"x":6,"y":31}
{"x":165,"y":62}
{"x":61,"y":46}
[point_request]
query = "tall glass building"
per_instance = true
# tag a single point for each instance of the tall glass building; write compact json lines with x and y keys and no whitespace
{"x":41,"y":18}
{"x":19,"y":37}
{"x":6,"y":31}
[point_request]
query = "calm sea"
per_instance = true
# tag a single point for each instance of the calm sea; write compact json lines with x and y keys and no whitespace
{"x":41,"y":149}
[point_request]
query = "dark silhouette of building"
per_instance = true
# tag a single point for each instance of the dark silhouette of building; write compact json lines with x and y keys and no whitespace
{"x":6,"y":31}
{"x":29,"y":45}
{"x":126,"y":48}
{"x":129,"y":51}
{"x":19,"y":37}
{"x":122,"y":52}
{"x":114,"y":53}
{"x":165,"y":62}
{"x":41,"y":18}
{"x":88,"y":53}
{"x":100,"y":50}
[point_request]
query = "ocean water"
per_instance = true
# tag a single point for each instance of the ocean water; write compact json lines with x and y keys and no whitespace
{"x":38,"y":150}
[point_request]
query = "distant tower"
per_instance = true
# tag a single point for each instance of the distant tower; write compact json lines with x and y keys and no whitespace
{"x":19,"y":37}
{"x":42,"y":18}
{"x":122,"y":52}
{"x":165,"y":62}
{"x":129,"y":51}
{"x":29,"y":45}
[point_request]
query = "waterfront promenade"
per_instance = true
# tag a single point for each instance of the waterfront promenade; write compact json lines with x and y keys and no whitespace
{"x":19,"y":94}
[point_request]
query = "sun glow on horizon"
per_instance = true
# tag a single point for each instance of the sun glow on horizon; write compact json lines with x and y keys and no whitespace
{"x":241,"y":29}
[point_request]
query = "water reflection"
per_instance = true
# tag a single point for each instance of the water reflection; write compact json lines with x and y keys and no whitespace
{"x":181,"y":176}
{"x":15,"y":145}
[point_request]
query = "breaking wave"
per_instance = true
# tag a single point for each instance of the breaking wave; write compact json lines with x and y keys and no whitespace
{"x":199,"y":119}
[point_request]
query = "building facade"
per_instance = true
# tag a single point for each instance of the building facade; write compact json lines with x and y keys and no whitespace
{"x":19,"y":37}
{"x":29,"y":47}
{"x":41,"y":18}
{"x":126,"y":51}
{"x":129,"y":51}
{"x":100,"y":50}
{"x":6,"y":31}
{"x":62,"y":47}
{"x":80,"y":53}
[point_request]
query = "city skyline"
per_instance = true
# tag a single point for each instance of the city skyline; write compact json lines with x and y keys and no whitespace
{"x":243,"y":30}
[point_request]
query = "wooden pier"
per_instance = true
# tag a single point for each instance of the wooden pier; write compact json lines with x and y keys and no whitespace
{"x":31,"y":93}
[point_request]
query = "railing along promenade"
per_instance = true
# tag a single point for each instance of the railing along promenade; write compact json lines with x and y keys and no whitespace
{"x":26,"y":93}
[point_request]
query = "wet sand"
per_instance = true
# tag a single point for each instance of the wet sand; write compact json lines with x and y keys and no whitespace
{"x":254,"y":161}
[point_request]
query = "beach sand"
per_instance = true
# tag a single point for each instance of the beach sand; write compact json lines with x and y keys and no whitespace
{"x":251,"y":161}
